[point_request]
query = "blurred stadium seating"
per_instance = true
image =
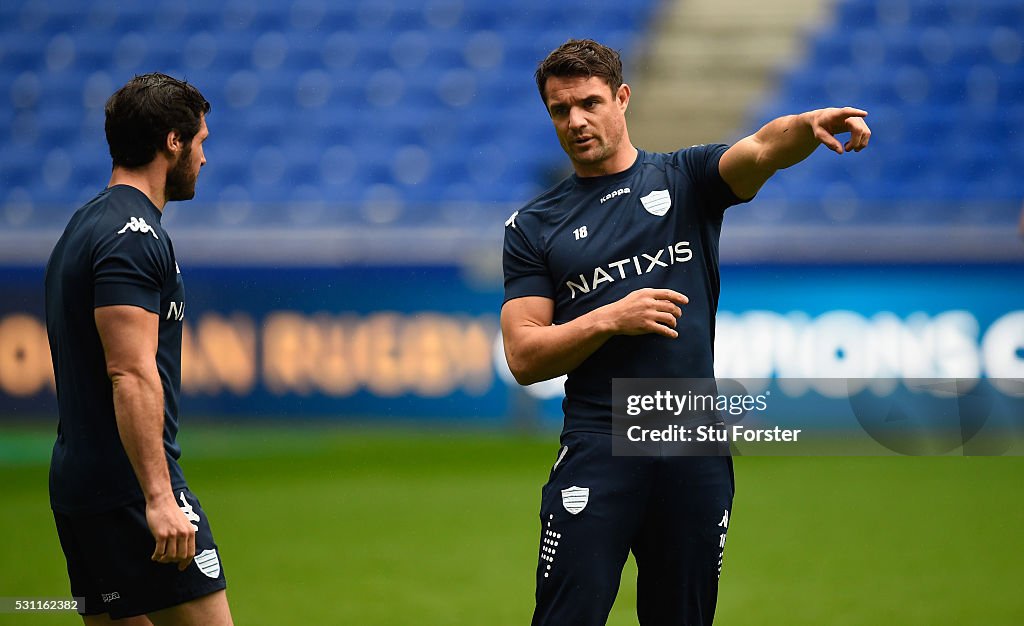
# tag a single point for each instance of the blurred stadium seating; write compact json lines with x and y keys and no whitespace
{"x":398,"y":114}
{"x":943,"y":81}
{"x":348,"y":113}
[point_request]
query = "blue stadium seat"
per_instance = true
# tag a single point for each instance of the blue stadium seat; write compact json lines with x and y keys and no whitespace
{"x":944,"y":84}
{"x":397,"y":101}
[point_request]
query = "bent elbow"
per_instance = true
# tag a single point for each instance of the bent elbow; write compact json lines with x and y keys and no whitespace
{"x":524,"y":378}
{"x":529,"y":375}
{"x":521,"y":370}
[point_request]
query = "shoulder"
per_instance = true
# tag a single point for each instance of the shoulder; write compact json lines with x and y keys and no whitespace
{"x":693,"y":162}
{"x":125,"y":228}
{"x":128,"y":211}
{"x":540,"y":211}
{"x":697,"y":154}
{"x":552,"y":199}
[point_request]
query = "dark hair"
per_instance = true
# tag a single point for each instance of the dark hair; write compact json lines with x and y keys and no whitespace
{"x":140,"y":114}
{"x":581,"y":58}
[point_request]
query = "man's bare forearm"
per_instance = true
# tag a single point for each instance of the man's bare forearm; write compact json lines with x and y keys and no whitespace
{"x":545,"y":352}
{"x":786,"y":141}
{"x":139,"y":409}
{"x":538,"y":350}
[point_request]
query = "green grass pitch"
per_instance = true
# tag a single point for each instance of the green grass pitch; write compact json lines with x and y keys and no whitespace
{"x":322,"y":525}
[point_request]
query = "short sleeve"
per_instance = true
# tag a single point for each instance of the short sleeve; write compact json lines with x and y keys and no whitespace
{"x":129,"y":267}
{"x":701,"y":163}
{"x":526,"y":273}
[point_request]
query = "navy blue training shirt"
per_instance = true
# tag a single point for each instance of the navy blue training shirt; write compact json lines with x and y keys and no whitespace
{"x":588,"y":242}
{"x":113,"y":251}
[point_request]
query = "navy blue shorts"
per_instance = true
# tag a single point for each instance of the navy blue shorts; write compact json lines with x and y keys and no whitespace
{"x":672,"y":512}
{"x":108,"y":556}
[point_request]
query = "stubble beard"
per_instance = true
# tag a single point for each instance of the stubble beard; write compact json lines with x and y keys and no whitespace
{"x":181,"y":184}
{"x":597,"y":153}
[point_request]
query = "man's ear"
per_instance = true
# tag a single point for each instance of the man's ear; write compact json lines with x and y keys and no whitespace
{"x":173,"y":142}
{"x":622,"y":96}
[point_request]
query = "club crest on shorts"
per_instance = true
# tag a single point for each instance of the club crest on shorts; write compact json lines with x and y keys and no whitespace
{"x":208,"y":563}
{"x":575,"y":499}
{"x":658,"y":202}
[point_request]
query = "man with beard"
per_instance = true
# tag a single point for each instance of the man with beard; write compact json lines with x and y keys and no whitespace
{"x":598,"y":272}
{"x":138,"y":545}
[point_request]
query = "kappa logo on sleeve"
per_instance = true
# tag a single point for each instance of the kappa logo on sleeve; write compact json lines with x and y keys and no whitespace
{"x":138,"y":225}
{"x":575,"y":499}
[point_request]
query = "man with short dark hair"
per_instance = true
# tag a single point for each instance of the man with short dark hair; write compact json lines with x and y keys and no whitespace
{"x":138,"y":545}
{"x":598,"y":271}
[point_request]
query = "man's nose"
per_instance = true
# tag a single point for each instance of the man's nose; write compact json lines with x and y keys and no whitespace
{"x":576,"y":118}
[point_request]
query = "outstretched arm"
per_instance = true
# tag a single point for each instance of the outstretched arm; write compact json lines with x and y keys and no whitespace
{"x":786,"y":141}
